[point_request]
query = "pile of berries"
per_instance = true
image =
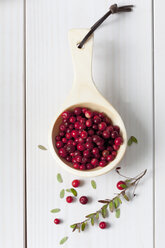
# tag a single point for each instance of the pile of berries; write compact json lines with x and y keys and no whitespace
{"x":87,"y":139}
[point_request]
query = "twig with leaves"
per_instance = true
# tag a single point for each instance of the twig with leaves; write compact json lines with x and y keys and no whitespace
{"x":113,"y":204}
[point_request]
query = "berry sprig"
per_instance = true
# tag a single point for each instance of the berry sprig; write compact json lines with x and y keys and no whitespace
{"x":113,"y":204}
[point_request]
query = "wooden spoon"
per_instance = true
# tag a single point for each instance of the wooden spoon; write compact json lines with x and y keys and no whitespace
{"x":85,"y":94}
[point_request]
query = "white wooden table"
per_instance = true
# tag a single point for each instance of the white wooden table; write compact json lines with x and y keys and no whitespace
{"x":35,"y":77}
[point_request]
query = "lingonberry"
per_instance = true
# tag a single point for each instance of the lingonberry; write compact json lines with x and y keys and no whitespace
{"x":95,"y":150}
{"x":102,"y":126}
{"x":77,"y":111}
{"x":70,"y":148}
{"x":102,"y":163}
{"x":72,"y":119}
{"x":68,"y":135}
{"x":121,"y":185}
{"x":86,"y":153}
{"x":91,"y":132}
{"x":102,"y":225}
{"x":64,"y":140}
{"x":76,"y":166}
{"x":96,"y":138}
{"x":89,"y":166}
{"x":69,"y":199}
{"x":114,"y":153}
{"x":71,"y":126}
{"x":75,"y":183}
{"x":56,"y":221}
{"x":95,"y":127}
{"x":76,"y":125}
{"x":80,"y":147}
{"x":89,"y":123}
{"x":94,"y":162}
{"x":82,"y":126}
{"x":82,"y":167}
{"x":69,"y":158}
{"x":59,"y":144}
{"x":58,"y":138}
{"x":117,"y":129}
{"x":62,"y":134}
{"x":106,"y":134}
{"x":78,"y":158}
{"x":114,"y":134}
{"x":89,"y":145}
{"x":83,"y":200}
{"x":84,"y":134}
{"x":96,"y":119}
{"x":66,"y":115}
{"x":116,"y":148}
{"x":118,"y":141}
{"x":62,"y":152}
{"x":88,"y":114}
{"x":74,"y":133}
{"x":89,"y":139}
{"x":110,"y":158}
{"x":81,"y":140}
{"x":105,"y":153}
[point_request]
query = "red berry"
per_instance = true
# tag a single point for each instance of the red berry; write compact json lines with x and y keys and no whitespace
{"x":80,"y":147}
{"x":62,"y":134}
{"x":82,"y":126}
{"x":72,"y":119}
{"x":110,"y":149}
{"x":70,"y":148}
{"x":114,"y":135}
{"x":82,"y":167}
{"x":58,"y":138}
{"x":96,"y":119}
{"x":66,"y":115}
{"x":102,"y":126}
{"x":82,"y":120}
{"x":78,"y":158}
{"x":69,"y":158}
{"x":105,"y":153}
{"x":95,"y":150}
{"x":89,"y":145}
{"x":89,"y":123}
{"x":68,"y":135}
{"x":62,"y":128}
{"x":117,"y":129}
{"x":84,"y":160}
{"x":102,"y":225}
{"x":89,"y":166}
{"x":101,"y":115}
{"x":76,"y":125}
{"x":110,"y":158}
{"x":94,"y":162}
{"x":76,"y":165}
{"x":62,"y":152}
{"x":88,"y":114}
{"x":95,"y":127}
{"x":109,"y":129}
{"x":81,"y":140}
{"x":77,"y":153}
{"x":89,"y":139}
{"x":102,"y":163}
{"x":77,"y":111}
{"x":106,"y":134}
{"x":91,"y":132}
{"x":120,"y":185}
{"x":116,"y":148}
{"x":56,"y":221}
{"x":74,"y":133}
{"x":75,"y":183}
{"x":118,"y":141}
{"x":59,"y":144}
{"x":86,"y":153}
{"x":114,"y":153}
{"x":84,"y":134}
{"x":84,"y":110}
{"x":64,"y":140}
{"x":83,"y":200}
{"x":69,"y":199}
{"x":96,"y":138}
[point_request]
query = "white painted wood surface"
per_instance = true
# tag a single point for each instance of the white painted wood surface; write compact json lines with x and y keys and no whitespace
{"x":126,"y":73}
{"x":159,"y":52}
{"x":11,"y":125}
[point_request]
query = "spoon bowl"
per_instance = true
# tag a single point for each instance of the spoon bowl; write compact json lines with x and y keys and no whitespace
{"x":85,"y":94}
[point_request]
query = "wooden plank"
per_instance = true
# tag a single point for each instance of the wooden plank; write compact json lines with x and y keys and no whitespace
{"x":159,"y":54}
{"x":11,"y":125}
{"x":122,"y":71}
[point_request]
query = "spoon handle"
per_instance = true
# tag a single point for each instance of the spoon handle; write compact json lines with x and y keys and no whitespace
{"x":82,"y":58}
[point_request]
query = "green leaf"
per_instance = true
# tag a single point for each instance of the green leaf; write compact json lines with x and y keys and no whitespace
{"x":131,"y":140}
{"x":119,"y":200}
{"x":59,"y":178}
{"x":97,"y":215}
{"x":92,"y":221}
{"x":73,"y":226}
{"x":90,"y":215}
{"x":123,"y":186}
{"x":93,"y":183}
{"x":55,"y":210}
{"x":68,"y":190}
{"x":42,"y":147}
{"x":63,"y":240}
{"x":126,"y":197}
{"x":62,"y":193}
{"x":116,"y":202}
{"x":83,"y":226}
{"x":104,"y":211}
{"x":118,"y":213}
{"x":111,"y":206}
{"x":74,"y":192}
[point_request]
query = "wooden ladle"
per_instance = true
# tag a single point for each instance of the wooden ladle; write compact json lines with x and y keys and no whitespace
{"x":85,"y":94}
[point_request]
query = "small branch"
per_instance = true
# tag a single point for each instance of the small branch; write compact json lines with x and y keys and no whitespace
{"x":134,"y":181}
